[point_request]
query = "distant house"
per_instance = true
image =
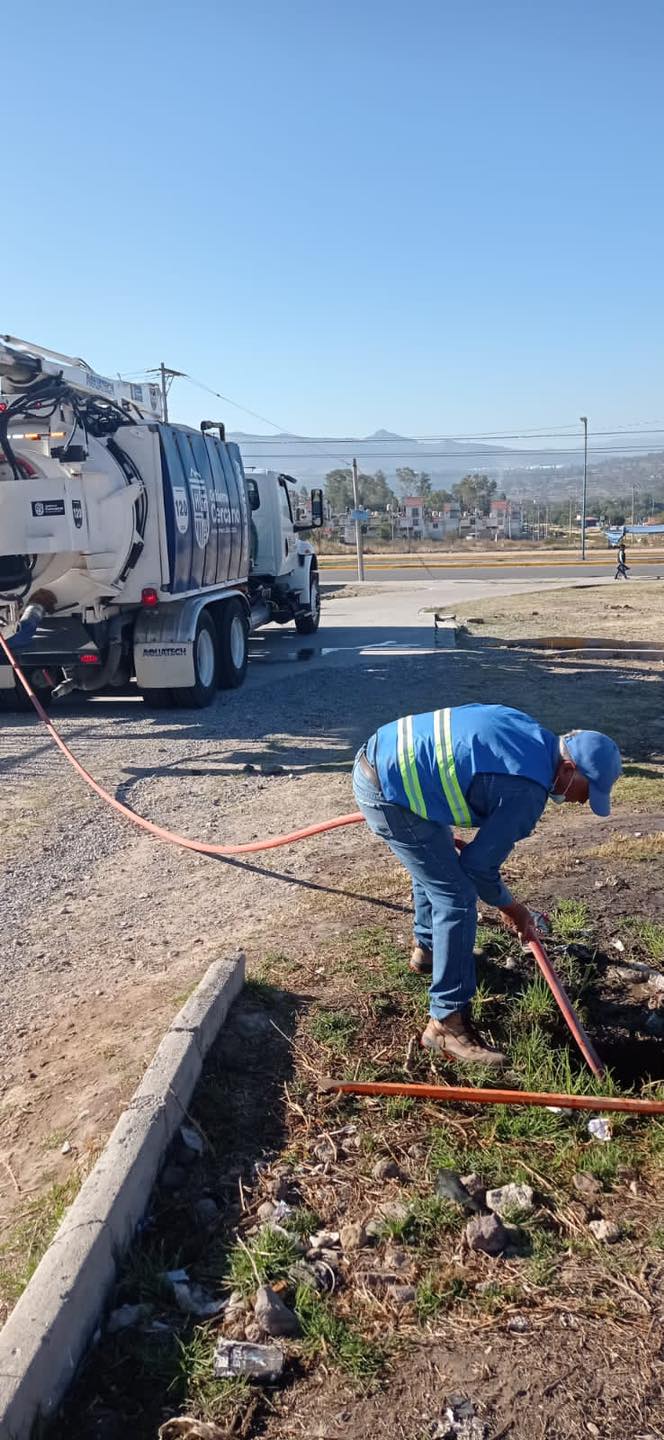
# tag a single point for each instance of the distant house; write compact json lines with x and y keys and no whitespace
{"x":504,"y":520}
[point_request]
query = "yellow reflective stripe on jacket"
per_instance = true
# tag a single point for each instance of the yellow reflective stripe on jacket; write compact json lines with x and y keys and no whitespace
{"x":408,"y":767}
{"x":442,"y":727}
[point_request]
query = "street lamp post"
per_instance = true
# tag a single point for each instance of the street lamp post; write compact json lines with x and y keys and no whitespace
{"x":584,"y":422}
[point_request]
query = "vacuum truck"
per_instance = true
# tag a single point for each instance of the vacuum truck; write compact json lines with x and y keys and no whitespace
{"x":158,"y":553}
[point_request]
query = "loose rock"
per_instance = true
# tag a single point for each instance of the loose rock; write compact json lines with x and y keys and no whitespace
{"x":450,"y":1187}
{"x":474,"y":1184}
{"x":509,"y":1198}
{"x":486,"y":1233}
{"x":263,"y":1362}
{"x":386,"y":1170}
{"x":192,"y":1139}
{"x":272,"y":1315}
{"x":353,"y":1236}
{"x":402,"y":1294}
{"x":206,"y":1211}
{"x":587,"y":1185}
{"x":266,"y":1212}
{"x":600,"y":1128}
{"x":605,"y":1230}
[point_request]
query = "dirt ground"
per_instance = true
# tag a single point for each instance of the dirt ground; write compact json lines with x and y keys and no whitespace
{"x":97,"y":969}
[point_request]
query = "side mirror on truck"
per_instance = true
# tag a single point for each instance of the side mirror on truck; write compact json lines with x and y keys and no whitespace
{"x":317,"y":516}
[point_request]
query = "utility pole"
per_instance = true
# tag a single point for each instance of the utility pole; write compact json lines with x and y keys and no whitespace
{"x":584,"y":422}
{"x":570,"y":519}
{"x":633,"y":490}
{"x":358,"y":526}
{"x":166,"y":377}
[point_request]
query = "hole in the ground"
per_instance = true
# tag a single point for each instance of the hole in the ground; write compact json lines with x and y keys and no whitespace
{"x":633,"y":1059}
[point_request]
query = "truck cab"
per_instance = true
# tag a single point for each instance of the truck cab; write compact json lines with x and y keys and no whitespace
{"x":280,"y":556}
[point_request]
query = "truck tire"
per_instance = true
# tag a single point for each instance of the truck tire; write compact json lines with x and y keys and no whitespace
{"x":308,"y":623}
{"x":206,"y":667}
{"x":233,"y":644}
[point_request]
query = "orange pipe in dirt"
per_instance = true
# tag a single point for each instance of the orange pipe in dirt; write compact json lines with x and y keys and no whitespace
{"x":462,"y":1094}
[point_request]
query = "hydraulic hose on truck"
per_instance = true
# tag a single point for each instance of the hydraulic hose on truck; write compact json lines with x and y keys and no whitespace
{"x":204,"y":847}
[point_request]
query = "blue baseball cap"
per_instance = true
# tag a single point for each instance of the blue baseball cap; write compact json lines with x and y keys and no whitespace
{"x":598,"y":758}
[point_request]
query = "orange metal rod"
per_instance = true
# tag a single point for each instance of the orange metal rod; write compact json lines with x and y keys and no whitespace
{"x":562,"y":1001}
{"x":462,"y":1094}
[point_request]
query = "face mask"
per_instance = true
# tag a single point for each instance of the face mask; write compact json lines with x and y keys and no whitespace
{"x":560,"y":799}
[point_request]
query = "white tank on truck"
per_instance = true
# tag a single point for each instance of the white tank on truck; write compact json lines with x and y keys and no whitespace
{"x":161,"y":554}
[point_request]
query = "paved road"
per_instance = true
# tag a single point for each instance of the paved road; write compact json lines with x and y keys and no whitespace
{"x":427,"y":569}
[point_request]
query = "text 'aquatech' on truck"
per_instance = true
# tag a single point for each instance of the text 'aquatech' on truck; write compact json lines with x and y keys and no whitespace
{"x":161,"y":554}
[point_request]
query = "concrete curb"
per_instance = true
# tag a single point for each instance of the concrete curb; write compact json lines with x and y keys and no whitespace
{"x":49,"y":1330}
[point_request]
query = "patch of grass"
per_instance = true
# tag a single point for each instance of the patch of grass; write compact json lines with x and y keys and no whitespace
{"x":657,"y":1238}
{"x":545,"y":1255}
{"x":335,"y":1029}
{"x":302,"y":1222}
{"x":494,"y":941}
{"x":206,"y":1397}
{"x":429,"y":1217}
{"x":640,"y":787}
{"x":569,"y":920}
{"x":31,"y":1236}
{"x":263,"y":992}
{"x":494,"y":1297}
{"x":604,"y":1159}
{"x":435,"y":1293}
{"x":648,"y":934}
{"x":483,"y":1000}
{"x":269,"y":1257}
{"x":398,"y":1106}
{"x":629,"y":847}
{"x":534,"y":1004}
{"x":327,"y":1335}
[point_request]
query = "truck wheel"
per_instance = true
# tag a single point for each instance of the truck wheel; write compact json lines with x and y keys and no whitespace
{"x":308,"y":623}
{"x":206,"y":666}
{"x":233,"y":635}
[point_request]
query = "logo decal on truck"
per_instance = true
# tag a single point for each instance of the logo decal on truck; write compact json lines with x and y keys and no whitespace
{"x":77,"y":512}
{"x":181,"y":506}
{"x":48,"y":507}
{"x":156,"y":652}
{"x":201,"y":508}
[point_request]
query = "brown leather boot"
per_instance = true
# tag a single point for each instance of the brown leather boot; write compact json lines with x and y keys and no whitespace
{"x":421,"y":960}
{"x":457,"y":1039}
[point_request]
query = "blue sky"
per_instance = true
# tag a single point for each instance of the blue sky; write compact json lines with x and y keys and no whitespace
{"x":440,"y":218}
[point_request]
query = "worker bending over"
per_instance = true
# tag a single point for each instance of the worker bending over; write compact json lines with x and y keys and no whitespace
{"x":483,"y":766}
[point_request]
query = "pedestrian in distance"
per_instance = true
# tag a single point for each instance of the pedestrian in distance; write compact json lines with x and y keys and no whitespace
{"x":486,"y":767}
{"x":622,"y":566}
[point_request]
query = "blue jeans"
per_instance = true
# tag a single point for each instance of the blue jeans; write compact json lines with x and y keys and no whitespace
{"x":445,"y":901}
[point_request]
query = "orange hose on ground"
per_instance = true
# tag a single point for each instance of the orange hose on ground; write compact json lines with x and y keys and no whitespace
{"x":460,"y":1094}
{"x":203,"y":847}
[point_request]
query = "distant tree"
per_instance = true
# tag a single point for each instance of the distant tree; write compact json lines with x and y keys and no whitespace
{"x":437,"y":498}
{"x":339,"y":490}
{"x":407,"y":478}
{"x":424,"y":486}
{"x":475,"y":493}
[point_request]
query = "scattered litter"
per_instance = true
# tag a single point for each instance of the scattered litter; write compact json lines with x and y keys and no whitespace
{"x":192,"y":1139}
{"x":186,"y":1428}
{"x":272,"y":1315}
{"x":460,"y":1422}
{"x":66,"y":1149}
{"x":510,"y":1198}
{"x":194,"y":1300}
{"x":605,"y":1230}
{"x":486,"y":1233}
{"x":125,"y":1317}
{"x":237,"y":1357}
{"x":449,"y":1186}
{"x":618,"y":945}
{"x":600,"y":1128}
{"x":518,"y":1325}
{"x":325,"y":1240}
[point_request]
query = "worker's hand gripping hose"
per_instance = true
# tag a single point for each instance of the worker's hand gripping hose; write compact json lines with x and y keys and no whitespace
{"x":203,"y":847}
